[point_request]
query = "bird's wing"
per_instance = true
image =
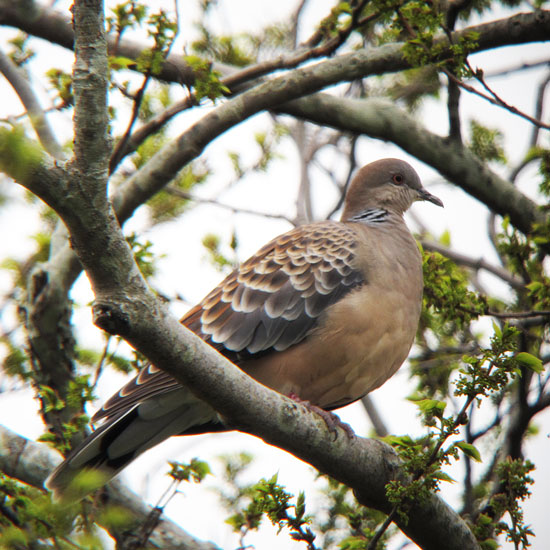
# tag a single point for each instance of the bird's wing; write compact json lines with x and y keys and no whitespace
{"x":271,"y":302}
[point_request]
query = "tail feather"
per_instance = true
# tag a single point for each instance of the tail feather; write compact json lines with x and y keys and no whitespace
{"x":122,"y":438}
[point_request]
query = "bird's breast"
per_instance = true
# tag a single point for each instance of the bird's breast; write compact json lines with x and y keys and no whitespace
{"x":359,"y":342}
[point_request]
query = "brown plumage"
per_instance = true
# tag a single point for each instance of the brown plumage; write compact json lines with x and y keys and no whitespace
{"x":327,"y":312}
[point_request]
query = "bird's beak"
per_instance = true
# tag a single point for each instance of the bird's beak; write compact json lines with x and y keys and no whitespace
{"x":423,"y":195}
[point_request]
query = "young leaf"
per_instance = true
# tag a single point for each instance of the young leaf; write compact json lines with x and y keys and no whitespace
{"x":443,"y":476}
{"x":530,"y":361}
{"x":469,"y":450}
{"x":431,"y":406}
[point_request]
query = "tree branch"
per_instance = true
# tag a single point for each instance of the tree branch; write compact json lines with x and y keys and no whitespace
{"x":31,"y":463}
{"x":45,"y":22}
{"x":457,"y":164}
{"x":494,"y":98}
{"x":200,"y":200}
{"x":377,"y":421}
{"x":90,"y":84}
{"x":539,"y":108}
{"x":453,"y":103}
{"x":383,"y":120}
{"x":23,"y":89}
{"x":475,"y":263}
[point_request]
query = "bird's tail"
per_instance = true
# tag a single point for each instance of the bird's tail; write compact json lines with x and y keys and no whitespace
{"x":122,"y":438}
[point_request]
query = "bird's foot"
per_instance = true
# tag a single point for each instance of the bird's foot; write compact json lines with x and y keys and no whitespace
{"x":331,"y":420}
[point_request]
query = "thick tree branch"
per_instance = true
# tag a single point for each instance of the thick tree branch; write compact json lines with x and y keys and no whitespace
{"x":31,"y":463}
{"x":47,"y":313}
{"x":47,"y":23}
{"x":90,"y":84}
{"x":166,"y":163}
{"x":383,"y":120}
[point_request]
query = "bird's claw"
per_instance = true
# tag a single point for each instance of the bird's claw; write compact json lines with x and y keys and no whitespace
{"x":332,"y":420}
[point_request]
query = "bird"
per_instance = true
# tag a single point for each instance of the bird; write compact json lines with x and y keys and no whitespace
{"x":324,"y":313}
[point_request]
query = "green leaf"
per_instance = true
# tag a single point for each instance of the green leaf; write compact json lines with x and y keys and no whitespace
{"x":121,"y":62}
{"x":496,"y":330}
{"x":431,"y":406}
{"x":19,"y":155}
{"x":443,"y":476}
{"x":489,"y":544}
{"x":445,"y":238}
{"x":399,"y":441}
{"x":530,"y":361}
{"x":469,"y":450}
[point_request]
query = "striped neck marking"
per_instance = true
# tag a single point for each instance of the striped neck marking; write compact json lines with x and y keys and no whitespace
{"x":371,"y":216}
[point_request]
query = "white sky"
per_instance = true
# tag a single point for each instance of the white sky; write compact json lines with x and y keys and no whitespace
{"x":185,"y":270}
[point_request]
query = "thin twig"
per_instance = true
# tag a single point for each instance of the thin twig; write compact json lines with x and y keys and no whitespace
{"x":493,"y":97}
{"x":247,"y":74}
{"x":444,"y":435}
{"x":539,"y":108}
{"x":478,"y":75}
{"x":522,"y":67}
{"x":120,"y":149}
{"x":382,"y":529}
{"x":294,"y":21}
{"x":351,"y":169}
{"x":101,"y":362}
{"x":118,"y":153}
{"x":237,"y":210}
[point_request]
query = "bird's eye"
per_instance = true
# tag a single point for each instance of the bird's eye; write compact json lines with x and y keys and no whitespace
{"x":397,"y":179}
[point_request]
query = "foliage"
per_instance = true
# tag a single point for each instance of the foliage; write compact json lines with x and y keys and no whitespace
{"x":269,"y":498}
{"x":21,"y":53}
{"x":195,"y":471}
{"x":143,"y":255}
{"x":173,"y":201}
{"x":19,"y":156}
{"x":485,"y":143}
{"x":29,"y":517}
{"x":212,"y":244}
{"x":447,"y":292}
{"x":125,"y":16}
{"x":236,"y":51}
{"x":162,"y":29}
{"x":62,"y":83}
{"x":207,"y":81}
{"x":349,"y":525}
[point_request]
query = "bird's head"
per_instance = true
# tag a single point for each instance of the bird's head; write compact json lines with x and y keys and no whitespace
{"x":389,"y":184}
